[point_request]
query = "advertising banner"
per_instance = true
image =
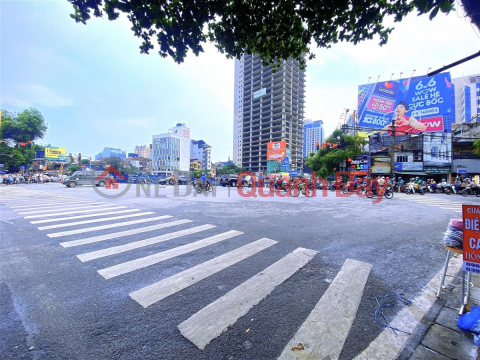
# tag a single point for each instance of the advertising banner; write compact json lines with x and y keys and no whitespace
{"x":437,"y":149}
{"x":276,"y":150}
{"x":360,"y":163}
{"x":381,"y":165}
{"x":471,"y":238}
{"x":418,"y":104}
{"x":409,"y":166}
{"x":56,"y":154}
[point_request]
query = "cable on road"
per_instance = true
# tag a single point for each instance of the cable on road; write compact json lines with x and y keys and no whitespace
{"x":399,"y":299}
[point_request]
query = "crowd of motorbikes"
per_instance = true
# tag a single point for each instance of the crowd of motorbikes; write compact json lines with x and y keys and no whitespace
{"x":27,"y":178}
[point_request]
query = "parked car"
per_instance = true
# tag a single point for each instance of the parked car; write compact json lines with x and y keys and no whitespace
{"x":182,"y":180}
{"x":231,"y":180}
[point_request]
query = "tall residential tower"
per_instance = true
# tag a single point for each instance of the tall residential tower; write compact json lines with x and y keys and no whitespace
{"x":269,"y":106}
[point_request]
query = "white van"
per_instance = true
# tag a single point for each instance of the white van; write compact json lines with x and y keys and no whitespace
{"x":97,"y":178}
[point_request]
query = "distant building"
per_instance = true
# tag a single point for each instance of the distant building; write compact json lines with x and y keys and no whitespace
{"x":143,"y":151}
{"x":200,"y":150}
{"x":133,"y":155}
{"x":111,"y":152}
{"x":195,"y":165}
{"x":142,"y":164}
{"x":313,"y":133}
{"x":171,"y":151}
{"x":269,"y":106}
{"x":467,"y":98}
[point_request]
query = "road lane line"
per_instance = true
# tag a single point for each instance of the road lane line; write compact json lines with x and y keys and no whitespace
{"x":110,"y":236}
{"x":91,"y":221}
{"x":82,"y":216}
{"x":328,"y":325}
{"x":214,"y":319}
{"x":160,"y":290}
{"x":141,"y":243}
{"x":96,"y":209}
{"x":146,"y":261}
{"x":388,"y":345}
{"x":109,"y":226}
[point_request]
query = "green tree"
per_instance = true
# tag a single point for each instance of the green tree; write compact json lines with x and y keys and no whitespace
{"x":28,"y":125}
{"x":230,"y":168}
{"x":327,"y":159}
{"x":73,"y":168}
{"x":271,"y":29}
{"x":476,"y":147}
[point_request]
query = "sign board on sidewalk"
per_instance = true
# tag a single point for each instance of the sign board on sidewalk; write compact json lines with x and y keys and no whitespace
{"x":471,"y":238}
{"x":84,"y":166}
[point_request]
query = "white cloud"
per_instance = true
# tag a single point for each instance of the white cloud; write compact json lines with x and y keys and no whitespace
{"x":36,"y":95}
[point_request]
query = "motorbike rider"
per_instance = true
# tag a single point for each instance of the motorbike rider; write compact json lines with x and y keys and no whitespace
{"x":205,"y":182}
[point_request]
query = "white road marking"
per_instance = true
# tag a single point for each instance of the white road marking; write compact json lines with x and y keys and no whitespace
{"x":109,"y":226}
{"x":146,"y":261}
{"x":324,"y":332}
{"x":96,"y":209}
{"x":83,"y":216}
{"x":141,"y":243}
{"x":388,"y":345}
{"x":91,"y":221}
{"x":48,"y":204}
{"x":214,"y":319}
{"x":160,"y":290}
{"x":68,"y":207}
{"x":118,"y":234}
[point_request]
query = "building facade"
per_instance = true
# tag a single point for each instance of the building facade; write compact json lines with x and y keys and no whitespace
{"x":313,"y":134}
{"x":142,"y":151}
{"x":171,"y":151}
{"x":200,"y":150}
{"x":111,"y":152}
{"x":467,"y":98}
{"x":269,"y":106}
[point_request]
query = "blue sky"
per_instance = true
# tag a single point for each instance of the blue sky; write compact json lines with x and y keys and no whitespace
{"x":95,"y":89}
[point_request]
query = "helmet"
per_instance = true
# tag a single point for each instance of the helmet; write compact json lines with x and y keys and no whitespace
{"x":399,"y":178}
{"x":203,"y":174}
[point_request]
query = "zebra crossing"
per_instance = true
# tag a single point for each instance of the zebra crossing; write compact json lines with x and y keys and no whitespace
{"x":336,"y":309}
{"x":447,"y":204}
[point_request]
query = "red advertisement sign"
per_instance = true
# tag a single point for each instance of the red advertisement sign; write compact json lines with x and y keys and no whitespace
{"x":276,"y":154}
{"x":471,"y":238}
{"x":432,"y":124}
{"x":277,"y":145}
{"x":380,"y":104}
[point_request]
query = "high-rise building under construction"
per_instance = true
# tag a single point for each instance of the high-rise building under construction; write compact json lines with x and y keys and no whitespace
{"x":269,"y":107}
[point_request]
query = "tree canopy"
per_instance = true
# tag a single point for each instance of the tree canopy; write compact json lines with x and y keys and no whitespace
{"x":327,"y":159}
{"x":17,"y":129}
{"x":273,"y":30}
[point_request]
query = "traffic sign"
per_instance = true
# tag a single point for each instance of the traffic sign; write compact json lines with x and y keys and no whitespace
{"x":84,"y":166}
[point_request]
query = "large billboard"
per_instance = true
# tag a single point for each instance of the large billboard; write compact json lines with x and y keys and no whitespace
{"x":276,"y":150}
{"x":56,"y":154}
{"x":418,"y":104}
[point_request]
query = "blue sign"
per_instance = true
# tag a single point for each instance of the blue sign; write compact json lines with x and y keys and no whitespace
{"x":461,"y":171}
{"x":286,"y":161}
{"x":22,"y":168}
{"x":294,"y":172}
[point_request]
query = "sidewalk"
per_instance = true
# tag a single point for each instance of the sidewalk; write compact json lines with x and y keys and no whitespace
{"x":439,"y":337}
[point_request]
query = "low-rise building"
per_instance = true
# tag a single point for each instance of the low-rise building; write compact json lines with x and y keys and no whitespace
{"x":111,"y":152}
{"x":200,"y":150}
{"x":171,"y":150}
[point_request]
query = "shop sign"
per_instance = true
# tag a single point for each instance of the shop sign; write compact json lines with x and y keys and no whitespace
{"x":359,"y":163}
{"x":471,"y":238}
{"x":436,"y":170}
{"x":408,"y":166}
{"x":466,"y":166}
{"x":380,"y":165}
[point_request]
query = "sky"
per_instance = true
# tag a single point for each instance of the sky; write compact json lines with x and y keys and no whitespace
{"x":95,"y":89}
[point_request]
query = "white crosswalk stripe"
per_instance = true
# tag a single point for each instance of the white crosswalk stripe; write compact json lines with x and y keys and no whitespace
{"x":214,"y":319}
{"x":109,"y":226}
{"x":336,"y":310}
{"x":160,"y":290}
{"x":82,"y":216}
{"x":121,"y":234}
{"x":141,"y":243}
{"x":66,"y":207}
{"x":42,"y":205}
{"x":91,"y":221}
{"x":146,"y":261}
{"x":96,"y":209}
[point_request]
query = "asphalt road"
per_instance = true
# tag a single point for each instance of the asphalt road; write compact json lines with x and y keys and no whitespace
{"x":57,"y":305}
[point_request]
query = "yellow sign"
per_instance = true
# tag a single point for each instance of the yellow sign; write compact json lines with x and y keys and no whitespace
{"x":55,"y":154}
